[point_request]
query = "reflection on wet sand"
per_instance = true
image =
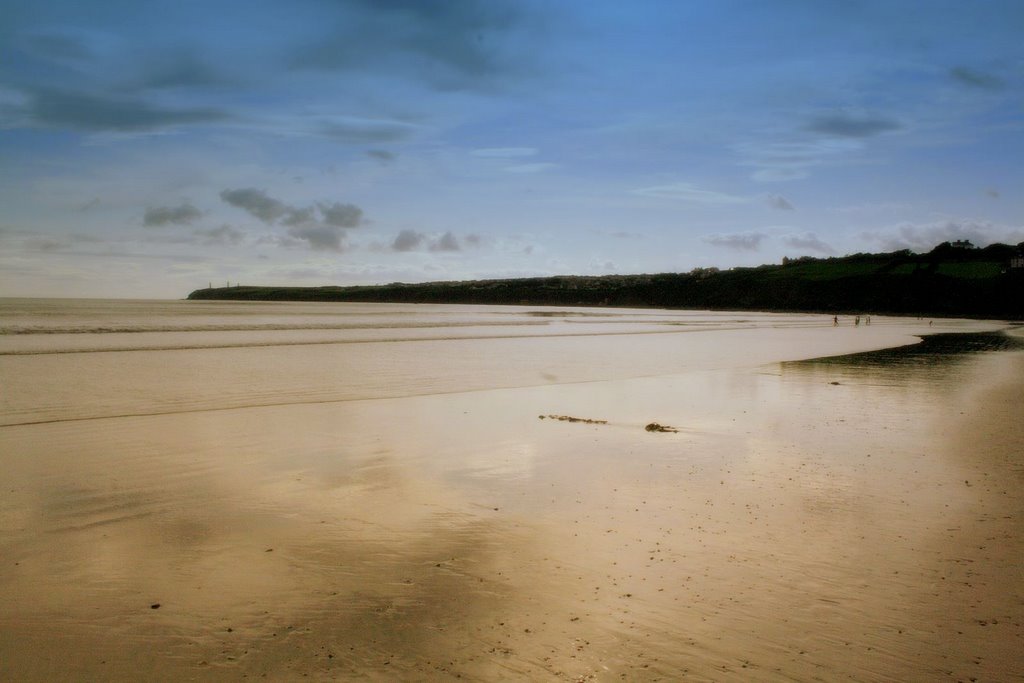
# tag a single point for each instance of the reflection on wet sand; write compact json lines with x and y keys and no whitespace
{"x":260,"y":564}
{"x":792,"y":529}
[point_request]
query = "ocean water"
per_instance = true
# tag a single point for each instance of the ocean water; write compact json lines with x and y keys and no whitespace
{"x":82,"y":359}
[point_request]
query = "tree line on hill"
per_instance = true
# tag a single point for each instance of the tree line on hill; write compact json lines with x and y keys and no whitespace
{"x":953,"y":279}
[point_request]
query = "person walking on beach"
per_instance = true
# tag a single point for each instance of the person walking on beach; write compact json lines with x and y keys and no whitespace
{"x":835,"y":321}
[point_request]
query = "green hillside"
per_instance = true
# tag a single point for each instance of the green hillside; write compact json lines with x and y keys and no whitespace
{"x":954,"y":279}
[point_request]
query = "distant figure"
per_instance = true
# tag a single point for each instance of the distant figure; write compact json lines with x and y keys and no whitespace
{"x":856,"y":321}
{"x":867,"y":321}
{"x":835,"y":321}
{"x":929,"y":323}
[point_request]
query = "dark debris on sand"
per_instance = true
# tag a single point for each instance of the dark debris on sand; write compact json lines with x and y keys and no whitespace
{"x":652,"y":427}
{"x":569,"y":418}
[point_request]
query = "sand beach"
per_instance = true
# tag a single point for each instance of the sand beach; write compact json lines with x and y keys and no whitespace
{"x":225,"y":491}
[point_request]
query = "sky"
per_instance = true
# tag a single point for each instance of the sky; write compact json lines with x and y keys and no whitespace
{"x":151,"y":148}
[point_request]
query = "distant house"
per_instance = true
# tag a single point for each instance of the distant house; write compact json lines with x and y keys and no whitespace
{"x":1017,"y":262}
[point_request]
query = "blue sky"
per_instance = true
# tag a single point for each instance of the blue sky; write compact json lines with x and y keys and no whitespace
{"x":148,"y":148}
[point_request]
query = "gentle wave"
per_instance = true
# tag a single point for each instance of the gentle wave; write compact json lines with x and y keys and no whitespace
{"x":329,"y":342}
{"x":271,"y":327}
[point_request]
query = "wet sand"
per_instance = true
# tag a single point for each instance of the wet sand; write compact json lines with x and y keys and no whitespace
{"x":855,"y":518}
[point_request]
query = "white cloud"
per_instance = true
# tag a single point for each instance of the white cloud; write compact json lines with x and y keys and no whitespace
{"x":366,"y":131}
{"x":447,"y":242}
{"x":922,"y":237}
{"x":322,"y":227}
{"x":412,"y":240}
{"x":256,"y":202}
{"x":688,"y":192}
{"x":737,"y":241}
{"x":382,"y":155}
{"x":785,"y":161}
{"x":341,"y":215}
{"x":408,"y":240}
{"x":846,"y":125}
{"x":183,"y":214}
{"x":224,"y":235}
{"x":808,"y":241}
{"x":779,"y":202}
{"x":319,"y":236}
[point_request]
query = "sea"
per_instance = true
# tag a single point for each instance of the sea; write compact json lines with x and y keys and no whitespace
{"x":68,"y":359}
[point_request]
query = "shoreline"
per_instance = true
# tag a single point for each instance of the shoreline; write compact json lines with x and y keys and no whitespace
{"x":979,"y":316}
{"x":961,"y":343}
{"x":201,"y":370}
